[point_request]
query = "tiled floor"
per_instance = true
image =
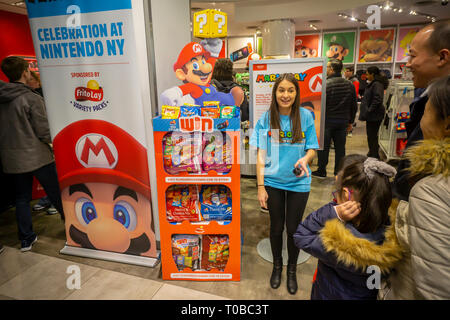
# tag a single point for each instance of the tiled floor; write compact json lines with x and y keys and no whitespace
{"x":42,"y":273}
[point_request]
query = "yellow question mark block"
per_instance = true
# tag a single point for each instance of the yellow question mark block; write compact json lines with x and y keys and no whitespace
{"x":210,"y":24}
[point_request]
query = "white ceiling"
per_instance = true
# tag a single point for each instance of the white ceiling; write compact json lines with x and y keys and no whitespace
{"x":244,"y":16}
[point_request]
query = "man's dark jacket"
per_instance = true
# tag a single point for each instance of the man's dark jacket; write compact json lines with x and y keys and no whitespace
{"x":341,"y":103}
{"x":372,"y":108}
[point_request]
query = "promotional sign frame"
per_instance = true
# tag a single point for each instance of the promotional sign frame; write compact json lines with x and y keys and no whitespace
{"x":100,"y":147}
{"x":398,"y":41}
{"x":393,"y":52}
{"x":319,"y":43}
{"x":314,"y":62}
{"x":324,"y":35}
{"x":231,"y":180}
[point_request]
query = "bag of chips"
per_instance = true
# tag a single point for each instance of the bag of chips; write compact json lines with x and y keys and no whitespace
{"x":215,"y":252}
{"x":189,"y":111}
{"x":216,"y":153}
{"x":170,"y":112}
{"x":211,"y":112}
{"x":215,"y":203}
{"x":182,"y":152}
{"x":182,"y":203}
{"x":186,"y":251}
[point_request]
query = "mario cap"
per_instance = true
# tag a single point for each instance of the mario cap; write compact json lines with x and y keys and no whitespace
{"x":338,"y":39}
{"x":191,"y":50}
{"x":99,"y":151}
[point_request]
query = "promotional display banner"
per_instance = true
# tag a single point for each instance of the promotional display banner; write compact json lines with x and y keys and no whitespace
{"x":86,"y":53}
{"x":339,"y":45}
{"x":404,"y":38}
{"x":376,"y":45}
{"x":307,"y":46}
{"x":311,"y":76}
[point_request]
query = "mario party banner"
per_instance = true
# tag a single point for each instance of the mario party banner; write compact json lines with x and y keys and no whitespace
{"x":339,"y":45}
{"x":404,"y":38}
{"x":307,"y":46}
{"x":311,"y":76}
{"x":87,"y":59}
{"x":376,"y":45}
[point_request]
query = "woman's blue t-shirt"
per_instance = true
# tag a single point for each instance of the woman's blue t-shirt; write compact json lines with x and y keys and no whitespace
{"x":282,"y":156}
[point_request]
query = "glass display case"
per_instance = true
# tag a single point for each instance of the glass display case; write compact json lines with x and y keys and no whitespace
{"x":392,"y":135}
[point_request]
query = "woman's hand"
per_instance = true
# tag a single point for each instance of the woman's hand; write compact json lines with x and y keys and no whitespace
{"x":302,"y":163}
{"x":348,"y":210}
{"x":262,"y":196}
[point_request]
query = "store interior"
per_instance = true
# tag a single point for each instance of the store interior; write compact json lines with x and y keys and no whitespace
{"x":42,"y":273}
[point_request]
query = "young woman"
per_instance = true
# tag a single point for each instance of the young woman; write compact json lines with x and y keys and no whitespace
{"x":286,"y":139}
{"x":372,"y":109}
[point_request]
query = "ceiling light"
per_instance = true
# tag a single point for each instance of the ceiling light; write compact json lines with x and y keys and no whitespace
{"x":18,"y":3}
{"x":353,"y":18}
{"x":400,"y":10}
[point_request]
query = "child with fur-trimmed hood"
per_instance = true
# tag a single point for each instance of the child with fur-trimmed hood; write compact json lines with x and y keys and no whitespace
{"x":352,"y":233}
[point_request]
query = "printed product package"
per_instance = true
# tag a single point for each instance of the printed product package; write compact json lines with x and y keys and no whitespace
{"x":211,"y":112}
{"x":227,"y":112}
{"x":215,"y":252}
{"x":189,"y":111}
{"x":215,"y":203}
{"x":186,"y":251}
{"x":182,"y":203}
{"x":170,"y":112}
{"x":216,"y":154}
{"x":182,"y":152}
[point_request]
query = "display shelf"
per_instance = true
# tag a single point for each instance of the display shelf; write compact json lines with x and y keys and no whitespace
{"x":391,"y":137}
{"x":202,"y":229}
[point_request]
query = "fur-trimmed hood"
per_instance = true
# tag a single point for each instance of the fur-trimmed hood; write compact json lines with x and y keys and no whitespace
{"x":430,"y":157}
{"x":358,"y":252}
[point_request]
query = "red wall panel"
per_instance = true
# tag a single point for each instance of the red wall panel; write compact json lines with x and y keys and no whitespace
{"x":15,"y":37}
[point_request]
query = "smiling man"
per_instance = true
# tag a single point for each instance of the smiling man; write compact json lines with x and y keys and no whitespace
{"x":429,"y":59}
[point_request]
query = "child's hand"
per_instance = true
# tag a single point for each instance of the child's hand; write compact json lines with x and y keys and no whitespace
{"x":348,"y":210}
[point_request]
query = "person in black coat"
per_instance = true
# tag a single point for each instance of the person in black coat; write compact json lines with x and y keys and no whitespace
{"x":372,"y":109}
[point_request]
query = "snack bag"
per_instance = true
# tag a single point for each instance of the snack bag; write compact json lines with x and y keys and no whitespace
{"x":211,"y":112}
{"x":182,"y":203}
{"x":216,"y":152}
{"x":227,"y":112}
{"x":182,"y":152}
{"x":215,"y":252}
{"x":189,"y":111}
{"x":211,"y":103}
{"x":170,"y":112}
{"x":215,"y":203}
{"x":186,"y":251}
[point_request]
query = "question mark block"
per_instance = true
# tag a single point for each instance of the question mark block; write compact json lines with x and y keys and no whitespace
{"x":210,"y":24}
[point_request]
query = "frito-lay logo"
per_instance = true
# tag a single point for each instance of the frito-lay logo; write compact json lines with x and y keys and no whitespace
{"x":94,"y":150}
{"x":196,"y":123}
{"x":92,"y":92}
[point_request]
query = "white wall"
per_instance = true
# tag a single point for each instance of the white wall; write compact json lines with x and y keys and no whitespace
{"x":170,"y":21}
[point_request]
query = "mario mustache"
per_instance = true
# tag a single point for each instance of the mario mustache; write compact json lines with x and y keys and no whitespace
{"x":201,"y":74}
{"x":137,"y":246}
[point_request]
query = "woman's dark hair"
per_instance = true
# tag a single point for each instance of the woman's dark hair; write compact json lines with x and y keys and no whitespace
{"x":375,"y":194}
{"x":439,"y":94}
{"x":223,"y":70}
{"x":378,"y":76}
{"x":274,"y":112}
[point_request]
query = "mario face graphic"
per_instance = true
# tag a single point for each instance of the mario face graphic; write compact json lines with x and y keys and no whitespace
{"x":305,"y":52}
{"x":197,"y":71}
{"x":105,"y":190}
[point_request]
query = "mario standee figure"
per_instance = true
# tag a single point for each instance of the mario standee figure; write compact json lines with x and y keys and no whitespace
{"x":103,"y":174}
{"x":194,"y":67}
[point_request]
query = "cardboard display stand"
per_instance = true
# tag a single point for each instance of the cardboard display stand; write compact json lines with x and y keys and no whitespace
{"x":203,"y":229}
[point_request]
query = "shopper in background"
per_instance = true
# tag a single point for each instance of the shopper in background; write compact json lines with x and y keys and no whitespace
{"x":429,"y":59}
{"x":352,"y":233}
{"x":286,"y":140}
{"x":423,"y":226}
{"x":43,"y":203}
{"x":372,"y":109}
{"x":349,"y":74}
{"x":24,"y":144}
{"x":340,"y":114}
{"x":222,"y":79}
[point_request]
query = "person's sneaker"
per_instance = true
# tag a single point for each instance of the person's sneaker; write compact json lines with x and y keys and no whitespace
{"x":265,"y":210}
{"x":52,"y":210}
{"x":27,"y":245}
{"x":2,"y":248}
{"x":319,"y":174}
{"x":39,"y":207}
